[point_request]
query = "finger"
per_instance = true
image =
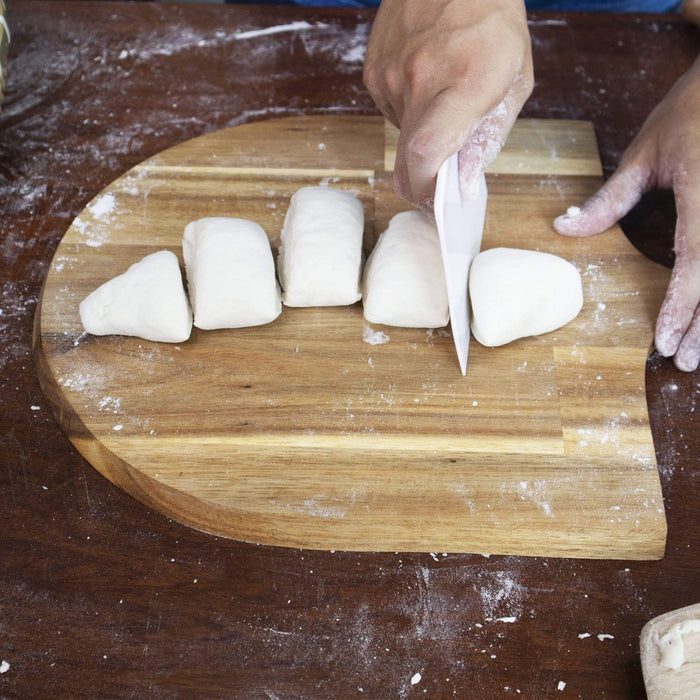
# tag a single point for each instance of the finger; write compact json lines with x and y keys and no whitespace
{"x":388,"y":104}
{"x":486,"y":141}
{"x":385,"y":106}
{"x":609,"y":204}
{"x":488,"y":138}
{"x":442,"y":129}
{"x":678,"y":308}
{"x":378,"y":64}
{"x":677,"y":312}
{"x":687,"y":358}
{"x":684,"y":292}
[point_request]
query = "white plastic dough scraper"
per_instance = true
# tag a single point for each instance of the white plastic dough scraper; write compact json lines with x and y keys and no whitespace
{"x":460,"y":223}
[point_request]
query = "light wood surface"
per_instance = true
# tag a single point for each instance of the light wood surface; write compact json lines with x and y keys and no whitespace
{"x":301,"y":433}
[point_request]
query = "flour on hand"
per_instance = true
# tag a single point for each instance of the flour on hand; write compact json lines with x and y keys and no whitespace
{"x":404,"y":281}
{"x":518,"y":293}
{"x":320,"y":259}
{"x":230,"y":273}
{"x":147,"y":301}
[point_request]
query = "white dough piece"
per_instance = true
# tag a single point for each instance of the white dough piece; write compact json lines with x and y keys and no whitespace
{"x":147,"y":301}
{"x":230,"y":273}
{"x":518,"y":293}
{"x":320,"y":259}
{"x":404,"y":280}
{"x":670,"y":654}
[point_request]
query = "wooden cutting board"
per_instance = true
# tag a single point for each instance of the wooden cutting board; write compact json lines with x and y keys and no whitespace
{"x":308,"y":432}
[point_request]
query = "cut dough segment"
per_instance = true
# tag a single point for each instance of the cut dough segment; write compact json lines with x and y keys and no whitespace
{"x":320,"y":258}
{"x":230,"y":273}
{"x":404,"y":280}
{"x":147,"y":301}
{"x":670,"y":653}
{"x":518,"y":293}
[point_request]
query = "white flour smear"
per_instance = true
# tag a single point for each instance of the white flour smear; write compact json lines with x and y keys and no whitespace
{"x":277,"y":29}
{"x":374,"y":337}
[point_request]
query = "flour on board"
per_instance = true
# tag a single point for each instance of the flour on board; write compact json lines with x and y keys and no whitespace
{"x":374,"y":337}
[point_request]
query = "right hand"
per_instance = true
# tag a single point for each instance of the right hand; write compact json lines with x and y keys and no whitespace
{"x":453,"y":76}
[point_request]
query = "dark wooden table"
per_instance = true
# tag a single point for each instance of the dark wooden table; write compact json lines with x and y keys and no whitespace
{"x":101,"y":597}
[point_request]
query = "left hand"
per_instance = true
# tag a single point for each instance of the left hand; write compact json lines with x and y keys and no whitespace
{"x":665,"y":153}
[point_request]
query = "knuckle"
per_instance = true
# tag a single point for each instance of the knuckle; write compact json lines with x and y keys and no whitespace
{"x":394,"y":79}
{"x":417,"y":65}
{"x":372,"y":75}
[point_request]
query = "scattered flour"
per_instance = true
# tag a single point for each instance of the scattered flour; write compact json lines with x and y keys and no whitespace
{"x":108,"y":403}
{"x":278,"y":29}
{"x":97,"y":232}
{"x":500,"y":592}
{"x":547,"y":23}
{"x":77,"y":381}
{"x":102,"y":205}
{"x":356,"y":54}
{"x":535,"y":492}
{"x":374,"y":337}
{"x":314,"y":508}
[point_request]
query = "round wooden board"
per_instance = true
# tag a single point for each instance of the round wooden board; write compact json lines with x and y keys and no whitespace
{"x":308,"y":432}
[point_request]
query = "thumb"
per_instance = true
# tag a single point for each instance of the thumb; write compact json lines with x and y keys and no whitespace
{"x":489,"y":137}
{"x":608,"y":205}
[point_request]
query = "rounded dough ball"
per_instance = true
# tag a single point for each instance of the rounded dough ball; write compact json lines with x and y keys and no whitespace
{"x":230,"y":273}
{"x":320,"y":259}
{"x":517,"y":293}
{"x":404,"y":280}
{"x":147,"y":301}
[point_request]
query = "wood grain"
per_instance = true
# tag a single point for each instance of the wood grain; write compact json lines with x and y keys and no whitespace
{"x":302,"y":434}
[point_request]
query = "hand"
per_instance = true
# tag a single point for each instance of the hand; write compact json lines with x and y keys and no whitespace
{"x":665,"y":153}
{"x":453,"y":75}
